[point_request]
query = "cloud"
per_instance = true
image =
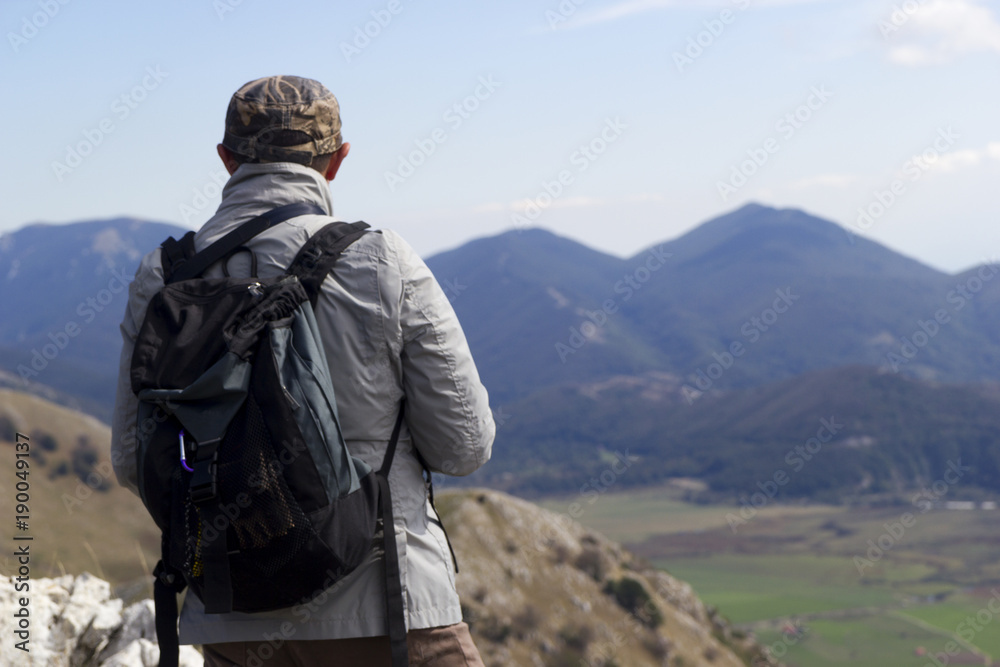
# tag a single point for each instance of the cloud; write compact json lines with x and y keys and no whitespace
{"x":956,"y":160}
{"x":940,"y":31}
{"x":970,"y":157}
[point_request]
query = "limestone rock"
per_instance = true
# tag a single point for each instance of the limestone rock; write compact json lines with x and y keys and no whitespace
{"x":76,"y":622}
{"x":136,"y":622}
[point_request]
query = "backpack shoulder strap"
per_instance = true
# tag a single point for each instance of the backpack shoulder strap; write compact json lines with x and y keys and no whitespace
{"x":176,"y":252}
{"x":192,"y":267}
{"x":316,"y":258}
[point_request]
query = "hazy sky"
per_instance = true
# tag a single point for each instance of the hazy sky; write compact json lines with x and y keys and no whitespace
{"x":655,"y":114}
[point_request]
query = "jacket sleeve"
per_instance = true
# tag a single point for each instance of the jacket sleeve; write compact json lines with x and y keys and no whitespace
{"x":447,"y":412}
{"x":148,"y":280}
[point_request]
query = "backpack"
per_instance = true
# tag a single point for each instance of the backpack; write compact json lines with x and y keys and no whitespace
{"x":240,"y":457}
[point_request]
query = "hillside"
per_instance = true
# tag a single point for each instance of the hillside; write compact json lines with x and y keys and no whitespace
{"x":80,"y":519}
{"x":890,"y":433}
{"x":539,"y":589}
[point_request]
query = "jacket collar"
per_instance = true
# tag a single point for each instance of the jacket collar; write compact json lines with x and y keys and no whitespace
{"x":257,"y":188}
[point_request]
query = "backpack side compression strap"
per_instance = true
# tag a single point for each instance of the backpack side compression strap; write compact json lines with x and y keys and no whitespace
{"x":165,"y":589}
{"x":311,"y":265}
{"x":196,"y":265}
{"x":395,"y":613}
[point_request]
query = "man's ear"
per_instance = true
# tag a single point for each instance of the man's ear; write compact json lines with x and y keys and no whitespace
{"x":228,"y":159}
{"x":336,"y":160}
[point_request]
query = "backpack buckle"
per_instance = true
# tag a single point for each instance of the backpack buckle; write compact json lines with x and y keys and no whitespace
{"x":310,"y":257}
{"x":203,"y":481}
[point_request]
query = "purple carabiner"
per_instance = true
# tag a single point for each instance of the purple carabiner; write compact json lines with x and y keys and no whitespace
{"x":183,"y":457}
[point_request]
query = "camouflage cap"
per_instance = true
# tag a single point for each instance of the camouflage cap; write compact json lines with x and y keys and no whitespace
{"x":261,"y":109}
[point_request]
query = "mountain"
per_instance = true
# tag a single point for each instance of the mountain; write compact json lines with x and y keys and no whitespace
{"x":585,"y":353}
{"x":64,"y":292}
{"x":540,"y":310}
{"x":833,"y":434}
{"x":793,"y":292}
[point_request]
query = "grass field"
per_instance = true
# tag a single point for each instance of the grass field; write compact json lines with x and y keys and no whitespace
{"x":865,"y":586}
{"x":882,"y":640}
{"x":955,"y":614}
{"x":757,"y":588}
{"x":634,"y":516}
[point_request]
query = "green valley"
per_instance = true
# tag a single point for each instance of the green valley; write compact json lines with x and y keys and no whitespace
{"x":808,"y":583}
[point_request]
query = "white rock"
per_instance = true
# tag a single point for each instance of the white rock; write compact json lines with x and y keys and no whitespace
{"x":138,"y":621}
{"x":106,"y":621}
{"x":189,"y":657}
{"x":74,"y":620}
{"x":145,"y":653}
{"x":88,"y":594}
{"x":130,"y":656}
{"x":48,"y":597}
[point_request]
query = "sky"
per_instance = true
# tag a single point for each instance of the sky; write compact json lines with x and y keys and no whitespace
{"x":617,"y":123}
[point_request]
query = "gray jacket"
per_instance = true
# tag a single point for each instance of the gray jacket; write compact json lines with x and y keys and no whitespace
{"x":389,"y":333}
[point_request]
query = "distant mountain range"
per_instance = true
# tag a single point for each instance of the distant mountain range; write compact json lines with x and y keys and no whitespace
{"x":667,"y":353}
{"x":64,"y":293}
{"x":846,"y":300}
{"x":825,"y":435}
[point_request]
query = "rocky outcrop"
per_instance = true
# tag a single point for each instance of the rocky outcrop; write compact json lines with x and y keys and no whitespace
{"x":77,"y":622}
{"x":539,"y":589}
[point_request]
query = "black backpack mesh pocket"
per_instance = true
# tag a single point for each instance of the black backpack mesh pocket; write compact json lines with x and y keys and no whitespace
{"x":273,"y":548}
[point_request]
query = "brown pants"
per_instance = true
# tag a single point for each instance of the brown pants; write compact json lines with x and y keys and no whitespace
{"x":448,"y":646}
